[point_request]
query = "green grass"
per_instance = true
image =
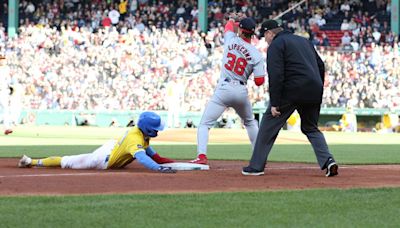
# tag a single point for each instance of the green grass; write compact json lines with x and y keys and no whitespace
{"x":344,"y":153}
{"x":56,"y":135}
{"x":311,"y":208}
{"x":347,"y":148}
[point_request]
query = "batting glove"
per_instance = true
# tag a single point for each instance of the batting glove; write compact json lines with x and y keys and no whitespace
{"x":163,"y":169}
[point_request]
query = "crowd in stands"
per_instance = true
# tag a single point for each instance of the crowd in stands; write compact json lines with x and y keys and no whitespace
{"x":366,"y":79}
{"x":120,"y":55}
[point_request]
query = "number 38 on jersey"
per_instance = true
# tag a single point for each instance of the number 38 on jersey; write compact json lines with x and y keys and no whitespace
{"x":237,"y":65}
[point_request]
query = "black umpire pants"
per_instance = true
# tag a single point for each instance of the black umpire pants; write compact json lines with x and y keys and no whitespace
{"x":270,"y":127}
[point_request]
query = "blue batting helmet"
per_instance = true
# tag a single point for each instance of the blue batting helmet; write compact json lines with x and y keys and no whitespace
{"x":150,"y":123}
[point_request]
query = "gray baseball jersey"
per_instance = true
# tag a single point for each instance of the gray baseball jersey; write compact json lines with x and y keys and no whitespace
{"x":240,"y":60}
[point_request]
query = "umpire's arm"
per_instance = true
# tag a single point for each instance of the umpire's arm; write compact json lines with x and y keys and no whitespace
{"x":276,"y":71}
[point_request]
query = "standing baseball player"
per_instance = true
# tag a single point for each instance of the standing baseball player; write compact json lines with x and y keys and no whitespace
{"x":240,"y":60}
{"x":134,"y":144}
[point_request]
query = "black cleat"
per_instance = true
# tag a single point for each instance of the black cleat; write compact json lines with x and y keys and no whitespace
{"x":332,"y":169}
{"x":248,"y":171}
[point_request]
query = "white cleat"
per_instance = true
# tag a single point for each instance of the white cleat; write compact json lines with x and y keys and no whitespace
{"x":25,"y":162}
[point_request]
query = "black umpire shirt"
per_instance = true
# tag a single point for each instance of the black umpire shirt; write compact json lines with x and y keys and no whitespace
{"x":295,"y":70}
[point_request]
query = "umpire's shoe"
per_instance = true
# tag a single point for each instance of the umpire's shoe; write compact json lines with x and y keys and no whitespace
{"x":248,"y":171}
{"x":332,"y":169}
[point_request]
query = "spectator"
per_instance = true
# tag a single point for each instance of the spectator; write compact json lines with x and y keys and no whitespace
{"x":368,"y":37}
{"x":106,"y":21}
{"x":346,"y":39}
{"x":71,"y":56}
{"x":377,"y":35}
{"x":345,"y":6}
{"x":385,"y":27}
{"x":316,"y":41}
{"x":180,"y":12}
{"x":354,"y":44}
{"x":139,"y":25}
{"x":389,"y":38}
{"x":376,"y":24}
{"x":356,"y":32}
{"x":345,"y":25}
{"x":123,"y":9}
{"x":302,"y":32}
{"x":114,"y":16}
{"x":194,"y":13}
{"x":325,"y":40}
{"x":133,"y":6}
{"x":320,"y":20}
{"x":352,"y":25}
{"x":30,"y":9}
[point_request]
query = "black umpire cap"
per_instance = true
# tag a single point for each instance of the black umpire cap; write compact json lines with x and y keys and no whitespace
{"x":267,"y":25}
{"x":248,"y":25}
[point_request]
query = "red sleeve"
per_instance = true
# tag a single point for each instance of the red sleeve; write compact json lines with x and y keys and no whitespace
{"x":229,"y":26}
{"x":259,"y":81}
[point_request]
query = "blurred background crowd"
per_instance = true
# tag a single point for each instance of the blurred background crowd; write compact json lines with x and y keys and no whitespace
{"x":142,"y":54}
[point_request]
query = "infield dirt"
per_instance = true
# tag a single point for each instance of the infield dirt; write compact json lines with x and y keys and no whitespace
{"x":224,"y":176}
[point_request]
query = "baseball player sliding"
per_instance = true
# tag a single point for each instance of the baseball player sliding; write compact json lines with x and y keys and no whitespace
{"x":240,"y":60}
{"x":134,"y":144}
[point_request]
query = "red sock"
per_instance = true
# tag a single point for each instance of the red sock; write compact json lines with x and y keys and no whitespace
{"x":160,"y":160}
{"x":202,"y":156}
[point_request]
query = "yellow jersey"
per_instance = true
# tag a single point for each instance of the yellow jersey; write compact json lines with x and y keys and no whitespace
{"x":124,"y":151}
{"x":122,"y":7}
{"x":390,"y":120}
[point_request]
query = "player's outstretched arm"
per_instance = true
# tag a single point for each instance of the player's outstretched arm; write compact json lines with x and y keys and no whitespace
{"x":230,"y":26}
{"x":233,"y":22}
{"x":147,"y":162}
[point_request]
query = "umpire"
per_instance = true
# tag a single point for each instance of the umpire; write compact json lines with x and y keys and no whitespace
{"x":296,"y":78}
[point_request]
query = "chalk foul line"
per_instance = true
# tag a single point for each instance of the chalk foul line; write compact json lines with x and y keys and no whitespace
{"x":64,"y":174}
